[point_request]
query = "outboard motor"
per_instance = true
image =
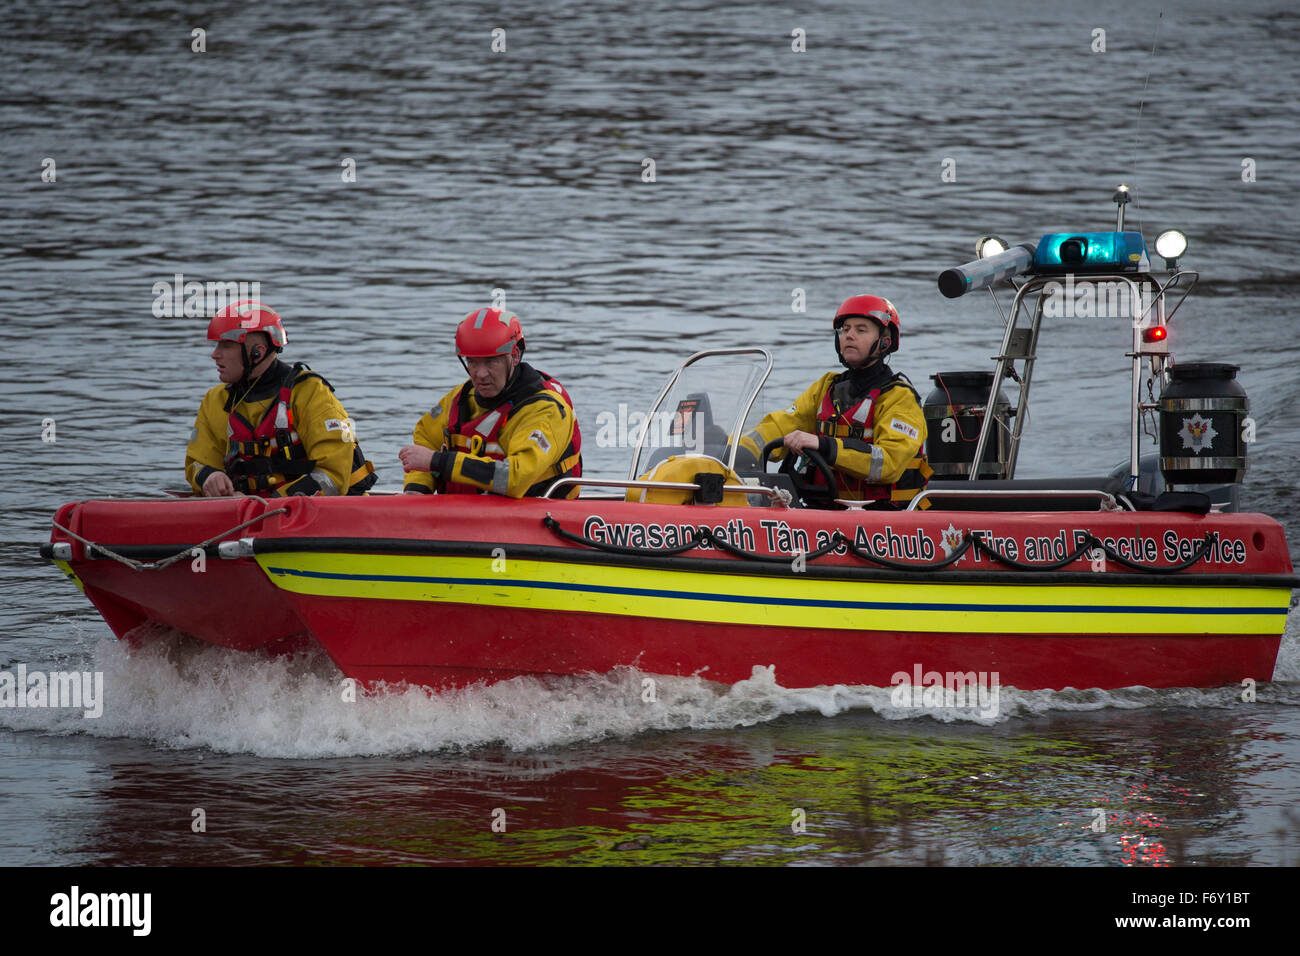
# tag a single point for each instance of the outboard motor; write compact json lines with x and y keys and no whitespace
{"x":954,"y":414}
{"x":1203,"y":413}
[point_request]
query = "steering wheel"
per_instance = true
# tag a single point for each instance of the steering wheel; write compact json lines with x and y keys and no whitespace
{"x":822,"y":494}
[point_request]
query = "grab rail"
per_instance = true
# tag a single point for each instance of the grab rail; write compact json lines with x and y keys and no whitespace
{"x":776,"y":494}
{"x":1107,"y":499}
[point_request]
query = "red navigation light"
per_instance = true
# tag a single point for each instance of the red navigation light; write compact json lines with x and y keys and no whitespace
{"x":1157,"y":333}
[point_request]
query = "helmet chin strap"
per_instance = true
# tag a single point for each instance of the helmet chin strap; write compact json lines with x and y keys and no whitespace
{"x":249,"y":364}
{"x":500,"y":396}
{"x":881,"y":348}
{"x":877,"y":353}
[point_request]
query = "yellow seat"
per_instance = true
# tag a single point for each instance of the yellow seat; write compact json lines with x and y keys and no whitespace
{"x":684,"y":468}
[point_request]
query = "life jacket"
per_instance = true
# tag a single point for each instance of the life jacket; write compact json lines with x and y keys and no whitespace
{"x":858,"y":422}
{"x":260,"y":458}
{"x":479,"y":434}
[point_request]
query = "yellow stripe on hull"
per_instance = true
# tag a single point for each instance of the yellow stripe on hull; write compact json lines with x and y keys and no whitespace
{"x":66,"y":568}
{"x":687,"y":595}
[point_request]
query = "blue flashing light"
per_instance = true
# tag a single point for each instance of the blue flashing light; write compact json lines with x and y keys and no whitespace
{"x":1091,"y":252}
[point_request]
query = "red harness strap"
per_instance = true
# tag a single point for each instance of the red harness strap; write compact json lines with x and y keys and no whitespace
{"x":260,"y":459}
{"x":480,"y":436}
{"x":858,"y":421}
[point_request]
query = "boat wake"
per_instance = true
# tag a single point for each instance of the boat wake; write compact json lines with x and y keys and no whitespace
{"x":179,"y":694}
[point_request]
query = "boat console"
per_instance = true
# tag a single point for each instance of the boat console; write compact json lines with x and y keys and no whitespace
{"x":1198,"y":423}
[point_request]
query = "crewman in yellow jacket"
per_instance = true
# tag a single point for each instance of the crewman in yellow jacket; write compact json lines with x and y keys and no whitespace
{"x":866,"y":421}
{"x":270,"y":429}
{"x":509,"y":429}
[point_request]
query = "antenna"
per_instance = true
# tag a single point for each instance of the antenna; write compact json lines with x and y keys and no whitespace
{"x":1137,"y":137}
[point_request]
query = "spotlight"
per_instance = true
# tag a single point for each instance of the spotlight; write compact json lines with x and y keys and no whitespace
{"x":1170,"y":245}
{"x":988,"y":246}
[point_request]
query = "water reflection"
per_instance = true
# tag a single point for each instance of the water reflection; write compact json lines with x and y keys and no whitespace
{"x":859,"y":790}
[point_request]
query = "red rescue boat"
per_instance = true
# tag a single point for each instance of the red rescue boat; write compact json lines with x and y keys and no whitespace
{"x":445,"y":592}
{"x":1147,"y":576}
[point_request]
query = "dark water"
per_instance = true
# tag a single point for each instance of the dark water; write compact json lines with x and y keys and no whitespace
{"x":775,"y":171}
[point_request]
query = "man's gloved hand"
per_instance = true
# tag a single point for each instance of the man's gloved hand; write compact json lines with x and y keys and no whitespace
{"x":416,"y":458}
{"x":218,"y":485}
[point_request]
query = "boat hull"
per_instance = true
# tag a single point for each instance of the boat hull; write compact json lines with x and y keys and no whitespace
{"x":227,"y":603}
{"x":514,"y":642}
{"x":445,"y":592}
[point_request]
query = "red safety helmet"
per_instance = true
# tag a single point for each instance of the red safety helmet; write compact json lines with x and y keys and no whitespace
{"x":873,"y":307}
{"x":487,"y":332}
{"x":235,"y":321}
